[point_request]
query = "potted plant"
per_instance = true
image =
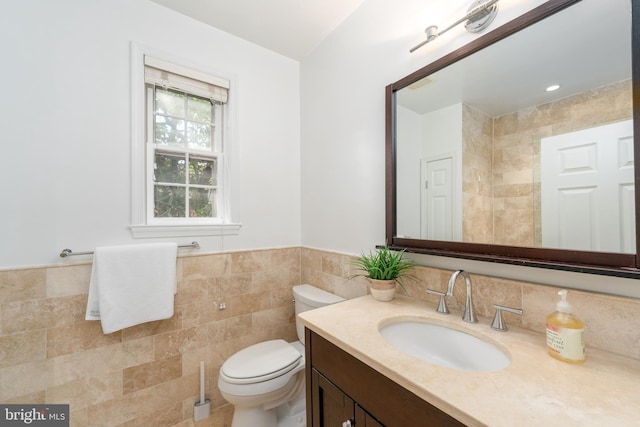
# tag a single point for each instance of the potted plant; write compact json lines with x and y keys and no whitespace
{"x":384,"y":269}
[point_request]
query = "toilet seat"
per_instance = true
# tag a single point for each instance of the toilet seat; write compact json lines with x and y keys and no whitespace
{"x":260,"y":362}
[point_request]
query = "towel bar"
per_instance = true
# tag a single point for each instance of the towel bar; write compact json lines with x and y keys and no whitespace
{"x":69,"y":252}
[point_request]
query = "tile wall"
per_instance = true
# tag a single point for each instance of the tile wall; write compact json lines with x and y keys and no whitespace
{"x":148,"y":375}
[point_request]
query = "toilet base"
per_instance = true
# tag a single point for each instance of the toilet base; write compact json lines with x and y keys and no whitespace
{"x":292,"y":414}
{"x":289,"y":414}
{"x":243,"y":417}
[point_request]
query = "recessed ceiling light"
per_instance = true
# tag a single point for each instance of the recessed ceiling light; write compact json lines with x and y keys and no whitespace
{"x":553,"y":87}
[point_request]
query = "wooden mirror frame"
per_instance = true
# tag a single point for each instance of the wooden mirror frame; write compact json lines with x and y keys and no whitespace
{"x":605,"y":263}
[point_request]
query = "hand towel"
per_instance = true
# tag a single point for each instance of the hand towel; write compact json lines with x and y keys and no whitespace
{"x":132,"y":284}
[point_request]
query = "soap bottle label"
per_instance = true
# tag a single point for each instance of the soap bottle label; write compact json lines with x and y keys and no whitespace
{"x":566,"y":343}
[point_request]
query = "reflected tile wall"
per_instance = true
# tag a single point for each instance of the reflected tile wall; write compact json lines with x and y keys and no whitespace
{"x":477,"y":187}
{"x":516,"y":155}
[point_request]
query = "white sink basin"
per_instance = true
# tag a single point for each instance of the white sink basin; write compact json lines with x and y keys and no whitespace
{"x":444,"y":346}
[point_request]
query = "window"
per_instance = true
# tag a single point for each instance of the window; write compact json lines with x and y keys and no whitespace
{"x":180,"y":171}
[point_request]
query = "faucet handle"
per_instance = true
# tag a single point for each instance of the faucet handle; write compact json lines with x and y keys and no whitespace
{"x":498,"y":324}
{"x":442,"y":305}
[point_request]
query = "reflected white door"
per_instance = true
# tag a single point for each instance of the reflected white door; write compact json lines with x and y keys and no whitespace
{"x":436,"y":221}
{"x":588,"y":189}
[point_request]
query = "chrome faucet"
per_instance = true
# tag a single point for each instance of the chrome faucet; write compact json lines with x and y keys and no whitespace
{"x":469,"y":314}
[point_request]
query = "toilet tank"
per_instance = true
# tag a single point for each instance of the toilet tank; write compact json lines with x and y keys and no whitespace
{"x":308,"y":297}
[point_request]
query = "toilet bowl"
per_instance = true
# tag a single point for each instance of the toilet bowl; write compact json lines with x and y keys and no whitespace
{"x":265,"y":381}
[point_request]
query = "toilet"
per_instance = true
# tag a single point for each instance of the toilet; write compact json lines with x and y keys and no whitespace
{"x":265,"y":381}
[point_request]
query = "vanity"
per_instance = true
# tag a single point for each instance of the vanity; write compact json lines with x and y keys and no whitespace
{"x":357,"y":378}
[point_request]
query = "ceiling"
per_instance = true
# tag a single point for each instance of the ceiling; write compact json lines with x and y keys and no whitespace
{"x":292,"y":28}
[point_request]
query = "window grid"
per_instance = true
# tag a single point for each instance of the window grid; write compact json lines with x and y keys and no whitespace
{"x":170,"y":137}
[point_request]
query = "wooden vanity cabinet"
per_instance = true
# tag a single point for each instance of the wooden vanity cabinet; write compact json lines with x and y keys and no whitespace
{"x":341,"y":388}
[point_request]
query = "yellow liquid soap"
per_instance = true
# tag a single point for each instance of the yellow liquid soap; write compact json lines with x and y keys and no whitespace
{"x":565,"y":333}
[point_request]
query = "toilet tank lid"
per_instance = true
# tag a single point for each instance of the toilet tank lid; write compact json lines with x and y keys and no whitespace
{"x":314,"y":297}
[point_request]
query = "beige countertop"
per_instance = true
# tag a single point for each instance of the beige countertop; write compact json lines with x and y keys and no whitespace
{"x":535,"y":390}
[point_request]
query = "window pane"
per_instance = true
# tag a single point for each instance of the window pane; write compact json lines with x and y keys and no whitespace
{"x":202,"y":203}
{"x":199,"y":136}
{"x":169,"y":202}
{"x":199,"y":109}
{"x":169,"y":131}
{"x":170,"y":168}
{"x":169,"y":102}
{"x":202,"y":172}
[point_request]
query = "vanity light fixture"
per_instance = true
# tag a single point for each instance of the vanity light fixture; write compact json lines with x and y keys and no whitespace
{"x":480,"y":15}
{"x":552,"y":88}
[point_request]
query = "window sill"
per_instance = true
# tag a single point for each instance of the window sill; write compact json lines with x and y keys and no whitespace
{"x":150,"y":231}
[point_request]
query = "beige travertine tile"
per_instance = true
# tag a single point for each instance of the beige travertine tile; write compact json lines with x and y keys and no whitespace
{"x":144,"y":403}
{"x":206,"y":266}
{"x":136,"y":352}
{"x":611,"y":323}
{"x":166,"y":417}
{"x":149,"y":374}
{"x":282,"y":297}
{"x":154,"y":328}
{"x":249,"y":303}
{"x":173,"y":343}
{"x":22,"y":285}
{"x":221,"y":417}
{"x":335,"y":264}
{"x":274,"y":278}
{"x":86,"y":391}
{"x":201,"y":312}
{"x":489,"y":291}
{"x":67,"y":281}
{"x":235,"y":284}
{"x":230,"y":328}
{"x":311,"y":258}
{"x":286,"y":257}
{"x":29,"y":315}
{"x":38,"y":397}
{"x":22,"y":348}
{"x":79,"y":418}
{"x":25,"y":379}
{"x":248,"y":262}
{"x":78,"y":337}
{"x":96,"y":361}
{"x":196,"y":289}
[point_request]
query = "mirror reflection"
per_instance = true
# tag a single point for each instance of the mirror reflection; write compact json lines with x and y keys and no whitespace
{"x":488,"y":152}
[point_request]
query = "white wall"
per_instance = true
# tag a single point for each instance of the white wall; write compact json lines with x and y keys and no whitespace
{"x":65,"y":110}
{"x":342,"y":150}
{"x":409,"y":129}
{"x":439,"y":140}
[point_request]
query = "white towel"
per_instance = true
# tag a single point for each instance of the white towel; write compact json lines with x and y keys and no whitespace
{"x":132,"y":284}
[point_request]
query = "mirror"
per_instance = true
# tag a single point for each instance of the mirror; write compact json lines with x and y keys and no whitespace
{"x":484,"y":162}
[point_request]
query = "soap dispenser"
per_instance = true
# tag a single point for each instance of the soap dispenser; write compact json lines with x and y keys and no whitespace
{"x":565,"y":333}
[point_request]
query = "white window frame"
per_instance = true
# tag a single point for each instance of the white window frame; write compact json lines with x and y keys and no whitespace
{"x":143,"y":225}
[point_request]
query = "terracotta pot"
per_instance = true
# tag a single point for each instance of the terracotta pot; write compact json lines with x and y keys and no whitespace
{"x":382,"y":290}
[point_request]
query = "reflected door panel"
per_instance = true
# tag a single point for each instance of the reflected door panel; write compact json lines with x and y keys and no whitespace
{"x":587,"y":184}
{"x":436,"y":222}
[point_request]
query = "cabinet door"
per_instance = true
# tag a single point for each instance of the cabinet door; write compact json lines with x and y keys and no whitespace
{"x":331,"y":407}
{"x":363,"y":419}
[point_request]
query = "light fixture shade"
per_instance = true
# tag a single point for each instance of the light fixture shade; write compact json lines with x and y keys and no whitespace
{"x":480,"y":15}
